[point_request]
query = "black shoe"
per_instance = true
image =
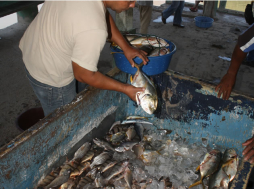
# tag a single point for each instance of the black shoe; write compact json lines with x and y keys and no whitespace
{"x":163,"y":19}
{"x":179,"y":25}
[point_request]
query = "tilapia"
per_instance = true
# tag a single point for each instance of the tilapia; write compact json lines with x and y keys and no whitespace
{"x":131,"y":133}
{"x":117,"y":169}
{"x":118,"y":127}
{"x":59,"y":180}
{"x":49,"y":178}
{"x":147,"y":99}
{"x":128,"y":177}
{"x":82,"y":151}
{"x":99,"y":182}
{"x":80,"y":169}
{"x":107,"y":165}
{"x":125,"y":146}
{"x":70,"y":184}
{"x":103,"y":144}
{"x":92,"y":173}
{"x":84,"y":181}
{"x":118,"y":137}
{"x":68,"y":166}
{"x":208,"y":166}
{"x":89,"y":155}
{"x":100,"y":159}
{"x":138,"y":150}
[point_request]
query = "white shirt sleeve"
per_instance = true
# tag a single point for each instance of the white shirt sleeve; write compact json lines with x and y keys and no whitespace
{"x":87,"y":48}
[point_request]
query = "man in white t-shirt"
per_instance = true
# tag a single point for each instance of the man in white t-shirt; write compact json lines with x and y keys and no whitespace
{"x":63,"y":43}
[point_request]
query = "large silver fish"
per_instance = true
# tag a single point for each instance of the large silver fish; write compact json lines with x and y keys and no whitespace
{"x":147,"y":99}
{"x":227,"y":170}
{"x":208,"y":166}
{"x":143,"y":40}
{"x":159,"y":52}
{"x":230,"y":162}
{"x":219,"y":180}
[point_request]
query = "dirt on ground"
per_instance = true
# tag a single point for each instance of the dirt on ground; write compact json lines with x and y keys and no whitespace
{"x":197,"y":55}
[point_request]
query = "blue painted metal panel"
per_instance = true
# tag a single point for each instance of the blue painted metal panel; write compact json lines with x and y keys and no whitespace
{"x":187,"y":106}
{"x":190,"y":108}
{"x":34,"y":153}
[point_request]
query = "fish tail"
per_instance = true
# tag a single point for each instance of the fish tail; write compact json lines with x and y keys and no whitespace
{"x":196,"y":183}
{"x":198,"y":168}
{"x":138,"y":66}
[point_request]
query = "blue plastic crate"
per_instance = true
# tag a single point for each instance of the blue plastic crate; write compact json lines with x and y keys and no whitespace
{"x":203,"y":21}
{"x":156,"y":65}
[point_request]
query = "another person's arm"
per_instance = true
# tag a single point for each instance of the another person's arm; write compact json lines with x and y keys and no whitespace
{"x":248,"y":152}
{"x":98,"y":80}
{"x":227,"y":83}
{"x":115,"y":36}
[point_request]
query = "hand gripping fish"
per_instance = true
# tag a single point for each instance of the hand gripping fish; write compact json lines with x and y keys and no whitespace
{"x":147,"y":99}
{"x":208,"y":166}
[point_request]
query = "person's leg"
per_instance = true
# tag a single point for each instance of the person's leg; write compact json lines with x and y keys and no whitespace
{"x":145,"y":18}
{"x":178,"y":13}
{"x":171,"y":9}
{"x":51,"y":97}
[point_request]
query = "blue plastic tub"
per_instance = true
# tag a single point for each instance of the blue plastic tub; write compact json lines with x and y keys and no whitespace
{"x":203,"y":21}
{"x":156,"y":65}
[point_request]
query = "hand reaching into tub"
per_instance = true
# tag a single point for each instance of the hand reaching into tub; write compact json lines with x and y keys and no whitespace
{"x":248,"y":152}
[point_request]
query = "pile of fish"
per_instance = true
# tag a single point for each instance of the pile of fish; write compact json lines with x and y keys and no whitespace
{"x":134,"y":154}
{"x":153,"y":45}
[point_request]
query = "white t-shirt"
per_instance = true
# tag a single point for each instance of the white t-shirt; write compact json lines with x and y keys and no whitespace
{"x":64,"y":31}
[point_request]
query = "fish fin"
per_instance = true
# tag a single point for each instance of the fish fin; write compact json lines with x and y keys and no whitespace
{"x":196,"y":183}
{"x":137,"y":99}
{"x":198,"y":168}
{"x":131,"y":79}
{"x":227,"y":163}
{"x":138,"y":66}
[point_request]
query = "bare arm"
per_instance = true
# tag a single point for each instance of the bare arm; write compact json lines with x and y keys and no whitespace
{"x":227,"y":83}
{"x":98,"y":80}
{"x":117,"y":37}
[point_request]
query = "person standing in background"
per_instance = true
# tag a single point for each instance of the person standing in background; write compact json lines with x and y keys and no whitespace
{"x":145,"y":9}
{"x":195,"y":7}
{"x":177,"y":8}
{"x":243,"y":48}
{"x":63,"y":44}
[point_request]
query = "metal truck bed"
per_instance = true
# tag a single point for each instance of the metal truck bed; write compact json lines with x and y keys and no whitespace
{"x":188,"y":107}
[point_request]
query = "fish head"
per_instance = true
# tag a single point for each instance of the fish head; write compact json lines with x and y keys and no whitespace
{"x":215,"y":152}
{"x":149,"y":103}
{"x":229,"y":154}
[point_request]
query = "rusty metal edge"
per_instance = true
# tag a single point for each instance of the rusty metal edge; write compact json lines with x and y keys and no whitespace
{"x":4,"y":150}
{"x":206,"y":83}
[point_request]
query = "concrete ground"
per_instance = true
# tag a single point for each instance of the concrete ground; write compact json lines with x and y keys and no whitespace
{"x":197,"y":55}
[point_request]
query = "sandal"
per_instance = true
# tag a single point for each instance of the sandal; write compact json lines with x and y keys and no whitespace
{"x":192,"y":9}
